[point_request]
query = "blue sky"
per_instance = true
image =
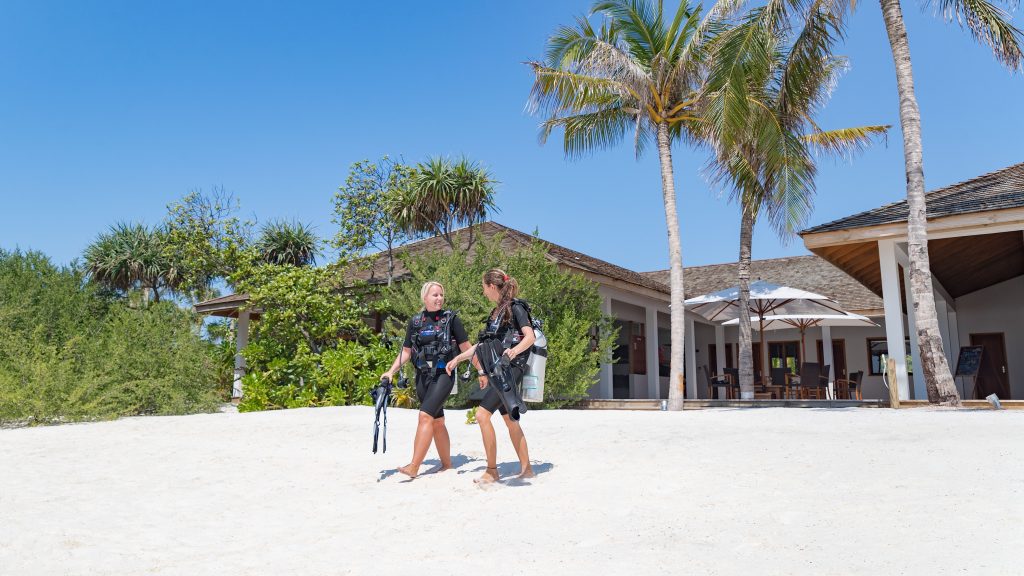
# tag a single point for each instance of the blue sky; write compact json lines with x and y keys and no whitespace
{"x":111,"y":110}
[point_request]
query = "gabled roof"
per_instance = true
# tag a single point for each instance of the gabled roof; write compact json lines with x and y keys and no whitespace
{"x":997,"y":190}
{"x":226,"y":306}
{"x":513,"y":239}
{"x":809,"y":273}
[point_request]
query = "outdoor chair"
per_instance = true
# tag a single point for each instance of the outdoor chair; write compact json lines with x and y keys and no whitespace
{"x":734,"y":382}
{"x":779,"y":382}
{"x":847,"y":388}
{"x":715,"y":381}
{"x":812,"y":382}
{"x":816,"y":387}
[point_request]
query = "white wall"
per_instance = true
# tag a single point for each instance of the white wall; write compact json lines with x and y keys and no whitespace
{"x":630,"y":307}
{"x":998,"y":308}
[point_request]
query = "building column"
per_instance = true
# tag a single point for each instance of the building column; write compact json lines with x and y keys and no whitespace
{"x":241,"y":341}
{"x":941,"y":314}
{"x":651,"y":346}
{"x":954,"y":348}
{"x":920,"y":391}
{"x":891,"y":298}
{"x":691,"y":360}
{"x":605,"y":386}
{"x":826,"y":352}
{"x":720,"y":356}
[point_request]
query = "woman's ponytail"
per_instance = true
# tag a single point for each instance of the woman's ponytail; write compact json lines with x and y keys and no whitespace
{"x":507,"y":287}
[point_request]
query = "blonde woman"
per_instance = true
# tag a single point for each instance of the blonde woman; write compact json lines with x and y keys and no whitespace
{"x":508,"y":323}
{"x":429,"y":339}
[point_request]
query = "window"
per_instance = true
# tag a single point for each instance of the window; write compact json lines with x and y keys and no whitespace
{"x":879,"y":346}
{"x":784,"y":355}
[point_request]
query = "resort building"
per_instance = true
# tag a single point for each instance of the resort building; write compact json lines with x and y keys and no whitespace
{"x":976,"y":247}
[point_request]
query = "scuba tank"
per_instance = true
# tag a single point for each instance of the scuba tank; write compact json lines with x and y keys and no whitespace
{"x":533,"y":376}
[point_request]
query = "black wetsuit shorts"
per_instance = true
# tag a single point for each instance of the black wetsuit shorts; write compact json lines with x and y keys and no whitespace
{"x":492,"y":400}
{"x":432,"y":392}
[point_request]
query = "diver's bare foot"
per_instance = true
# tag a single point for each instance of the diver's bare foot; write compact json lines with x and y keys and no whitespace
{"x":527,"y":473}
{"x":489,"y":476}
{"x":408,"y":470}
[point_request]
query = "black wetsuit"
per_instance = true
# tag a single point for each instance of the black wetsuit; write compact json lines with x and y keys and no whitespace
{"x":423,"y":334}
{"x":511,"y":333}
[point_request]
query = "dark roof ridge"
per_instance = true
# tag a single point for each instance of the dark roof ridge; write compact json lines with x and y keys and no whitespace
{"x":892,"y":212}
{"x":734,"y":262}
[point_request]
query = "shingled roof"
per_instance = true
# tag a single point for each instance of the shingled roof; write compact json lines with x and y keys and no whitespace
{"x":226,"y":306}
{"x":997,"y":190}
{"x":513,"y":239}
{"x":805,"y":272}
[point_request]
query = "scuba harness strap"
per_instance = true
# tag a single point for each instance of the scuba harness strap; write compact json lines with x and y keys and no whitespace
{"x":432,"y":358}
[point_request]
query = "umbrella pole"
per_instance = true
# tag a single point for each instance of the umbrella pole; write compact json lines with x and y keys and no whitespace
{"x":803,"y":346}
{"x":764,"y":354}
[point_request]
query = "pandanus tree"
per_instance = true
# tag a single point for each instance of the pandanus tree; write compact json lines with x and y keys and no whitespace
{"x":132,"y":257}
{"x":770,"y":75}
{"x":443,"y":195}
{"x":288,"y":243}
{"x":638,"y":73}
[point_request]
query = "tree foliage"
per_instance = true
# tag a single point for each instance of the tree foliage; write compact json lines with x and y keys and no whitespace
{"x":311,"y":345}
{"x":443,"y":195}
{"x":70,"y":352}
{"x":204,"y":236}
{"x":364,"y":208}
{"x":288,"y":243}
{"x":133,"y":257}
{"x":580,"y":336}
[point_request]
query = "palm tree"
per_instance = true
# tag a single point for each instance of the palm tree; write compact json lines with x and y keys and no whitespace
{"x":443,"y":195}
{"x":769,"y":78}
{"x":990,"y":25}
{"x":638,"y":73}
{"x":132,"y":256}
{"x":290,"y":243}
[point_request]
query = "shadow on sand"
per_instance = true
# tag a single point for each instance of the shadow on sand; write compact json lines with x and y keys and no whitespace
{"x":429,"y":467}
{"x":508,"y":471}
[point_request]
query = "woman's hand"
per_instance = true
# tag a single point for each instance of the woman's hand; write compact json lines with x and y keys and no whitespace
{"x":450,"y":367}
{"x":483,"y":381}
{"x":389,"y":375}
{"x":510,"y":353}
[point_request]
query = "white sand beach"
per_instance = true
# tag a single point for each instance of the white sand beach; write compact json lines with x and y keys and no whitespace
{"x":718,"y":491}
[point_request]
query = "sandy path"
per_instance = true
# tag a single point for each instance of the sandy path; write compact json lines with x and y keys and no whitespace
{"x":765,"y":491}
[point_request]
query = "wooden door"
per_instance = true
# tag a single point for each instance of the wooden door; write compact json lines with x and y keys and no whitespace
{"x":992,"y":376}
{"x":638,"y":354}
{"x":756,"y":349}
{"x":838,"y":358}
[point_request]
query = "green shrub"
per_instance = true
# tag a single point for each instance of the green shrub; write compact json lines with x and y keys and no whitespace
{"x":68,"y":352}
{"x":311,"y":346}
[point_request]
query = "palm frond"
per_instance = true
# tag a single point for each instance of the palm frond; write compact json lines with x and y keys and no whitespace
{"x":845,"y":142}
{"x":584,"y":133}
{"x":990,"y":25}
{"x":559,"y":90}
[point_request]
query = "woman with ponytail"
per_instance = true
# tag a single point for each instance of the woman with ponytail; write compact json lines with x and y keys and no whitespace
{"x":508,"y":322}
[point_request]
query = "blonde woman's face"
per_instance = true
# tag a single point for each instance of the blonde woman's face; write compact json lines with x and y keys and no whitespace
{"x":434,"y":300}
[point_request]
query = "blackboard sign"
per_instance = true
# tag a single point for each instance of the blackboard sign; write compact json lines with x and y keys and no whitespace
{"x":969,"y":361}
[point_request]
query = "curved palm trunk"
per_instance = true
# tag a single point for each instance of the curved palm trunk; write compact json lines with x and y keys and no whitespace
{"x":746,"y":346}
{"x":937,"y":376}
{"x":676,"y":387}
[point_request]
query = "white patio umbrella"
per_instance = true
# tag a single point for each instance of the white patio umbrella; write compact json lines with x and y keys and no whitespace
{"x":804,"y":321}
{"x":765,"y":299}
